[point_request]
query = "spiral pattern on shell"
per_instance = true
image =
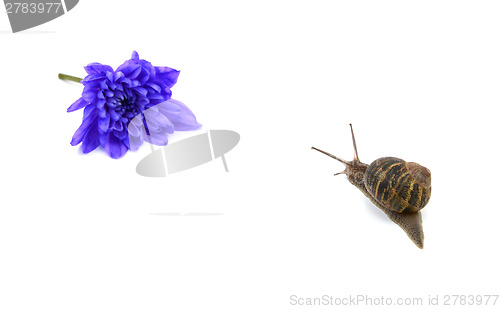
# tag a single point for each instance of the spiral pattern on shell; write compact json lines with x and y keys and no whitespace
{"x":400,"y":186}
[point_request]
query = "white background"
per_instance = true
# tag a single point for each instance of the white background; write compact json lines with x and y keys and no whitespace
{"x":419,"y":80}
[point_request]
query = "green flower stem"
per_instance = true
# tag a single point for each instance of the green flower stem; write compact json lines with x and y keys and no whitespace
{"x":69,"y":77}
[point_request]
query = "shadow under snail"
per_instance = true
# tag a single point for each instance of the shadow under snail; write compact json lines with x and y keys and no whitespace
{"x":400,"y":189}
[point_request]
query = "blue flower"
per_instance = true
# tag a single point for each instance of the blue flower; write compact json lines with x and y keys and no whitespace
{"x":129,"y":98}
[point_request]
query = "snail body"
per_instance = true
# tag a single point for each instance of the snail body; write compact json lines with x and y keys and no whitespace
{"x":399,"y":188}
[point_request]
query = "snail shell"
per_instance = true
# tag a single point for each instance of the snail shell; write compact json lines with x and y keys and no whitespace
{"x":400,"y":186}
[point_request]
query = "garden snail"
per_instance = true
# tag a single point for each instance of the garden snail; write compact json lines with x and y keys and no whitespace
{"x":400,"y":189}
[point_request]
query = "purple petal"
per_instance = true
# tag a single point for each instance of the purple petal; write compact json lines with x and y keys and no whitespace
{"x":136,"y":132}
{"x":141,"y":91}
{"x":133,"y":75}
{"x":128,"y":68}
{"x":120,"y":134}
{"x":118,"y":126}
{"x":135,"y":142}
{"x":96,"y":68}
{"x":104,"y":123}
{"x":130,"y":65}
{"x":118,"y":76}
{"x":158,"y":122}
{"x":135,"y":56}
{"x":80,"y":103}
{"x":156,"y":98}
{"x":126,"y":142}
{"x":89,"y":93}
{"x":154,"y":87}
{"x":179,"y":114}
{"x":152,"y":126}
{"x":91,"y":140}
{"x":114,"y":115}
{"x":114,"y":147}
{"x":100,"y":103}
{"x":167,"y":76}
{"x":110,"y":75}
{"x":93,"y":79}
{"x":149,"y":71}
{"x":88,"y":109}
{"x":133,"y":130}
{"x":158,"y":139}
{"x":82,"y":130}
